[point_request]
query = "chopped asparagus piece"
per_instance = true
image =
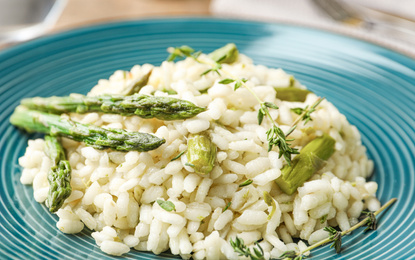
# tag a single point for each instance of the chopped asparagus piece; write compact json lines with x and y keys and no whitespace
{"x":292,"y":94}
{"x":311,"y":159}
{"x":201,"y":153}
{"x":59,"y":176}
{"x":97,"y":137}
{"x":226,"y":54}
{"x":170,"y":91}
{"x":163,"y":108}
{"x":136,"y":84}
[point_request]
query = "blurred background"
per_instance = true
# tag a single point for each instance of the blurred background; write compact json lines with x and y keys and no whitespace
{"x":391,"y":22}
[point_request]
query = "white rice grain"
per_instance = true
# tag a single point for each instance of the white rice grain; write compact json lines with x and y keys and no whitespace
{"x":251,"y":217}
{"x":114,"y":248}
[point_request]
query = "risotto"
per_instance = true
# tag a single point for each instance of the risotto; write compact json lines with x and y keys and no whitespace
{"x":122,"y":196}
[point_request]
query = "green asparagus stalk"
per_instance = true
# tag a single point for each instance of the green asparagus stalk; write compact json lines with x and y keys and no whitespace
{"x":59,"y":176}
{"x":292,"y":94}
{"x":136,"y":84}
{"x":311,"y":159}
{"x":163,"y":108}
{"x":97,"y":137}
{"x":226,"y":54}
{"x":201,"y":153}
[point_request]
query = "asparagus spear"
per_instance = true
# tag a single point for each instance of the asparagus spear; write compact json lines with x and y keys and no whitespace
{"x":136,"y":84}
{"x":97,"y":137}
{"x":311,"y":159}
{"x":59,"y":176}
{"x":292,"y":94}
{"x":163,"y":108}
{"x":201,"y":153}
{"x":226,"y":54}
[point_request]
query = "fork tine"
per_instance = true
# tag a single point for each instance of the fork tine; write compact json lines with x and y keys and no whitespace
{"x":338,"y":12}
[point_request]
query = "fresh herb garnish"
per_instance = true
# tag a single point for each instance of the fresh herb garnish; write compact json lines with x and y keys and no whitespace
{"x":238,"y":82}
{"x":226,"y":81}
{"x":305,"y":113}
{"x":246,"y":183}
{"x":335,"y":236}
{"x":178,"y":156}
{"x":270,"y":202}
{"x":181,"y":52}
{"x":323,"y":219}
{"x":276,"y":137}
{"x":189,"y":164}
{"x":372,"y":223}
{"x":215,"y":68}
{"x":240,"y":248}
{"x":169,"y":91}
{"x":166,"y":205}
{"x":291,"y":255}
{"x":227,"y":206}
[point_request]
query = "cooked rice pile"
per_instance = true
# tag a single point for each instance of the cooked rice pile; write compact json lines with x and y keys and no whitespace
{"x":114,"y":192}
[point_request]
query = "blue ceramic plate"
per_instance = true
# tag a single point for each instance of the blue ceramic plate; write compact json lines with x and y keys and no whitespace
{"x":373,"y":86}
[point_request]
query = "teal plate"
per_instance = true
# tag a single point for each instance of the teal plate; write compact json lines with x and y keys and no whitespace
{"x":373,"y":86}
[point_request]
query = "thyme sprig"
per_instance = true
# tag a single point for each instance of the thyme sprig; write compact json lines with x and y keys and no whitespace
{"x":276,"y":137}
{"x":305,"y":113}
{"x":215,"y":68}
{"x":336,"y":235}
{"x":238,"y":84}
{"x":182,"y":52}
{"x":291,"y":255}
{"x":372,"y":223}
{"x":239,"y":247}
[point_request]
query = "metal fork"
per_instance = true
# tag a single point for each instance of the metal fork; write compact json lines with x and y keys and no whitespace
{"x":383,"y":23}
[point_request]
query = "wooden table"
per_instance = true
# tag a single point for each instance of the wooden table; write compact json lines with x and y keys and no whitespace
{"x":84,"y":12}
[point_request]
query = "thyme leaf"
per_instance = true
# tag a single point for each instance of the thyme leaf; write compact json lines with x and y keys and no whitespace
{"x":246,"y":183}
{"x":270,"y":105}
{"x":291,"y":255}
{"x":239,"y":247}
{"x":166,"y":205}
{"x":297,"y":110}
{"x":189,"y":164}
{"x":215,"y":68}
{"x":180,"y":52}
{"x":239,"y":83}
{"x":260,"y":116}
{"x":227,"y":206}
{"x":226,"y":81}
{"x":276,"y":137}
{"x":178,"y":156}
{"x":335,"y":236}
{"x":323,"y":219}
{"x":372,"y":222}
